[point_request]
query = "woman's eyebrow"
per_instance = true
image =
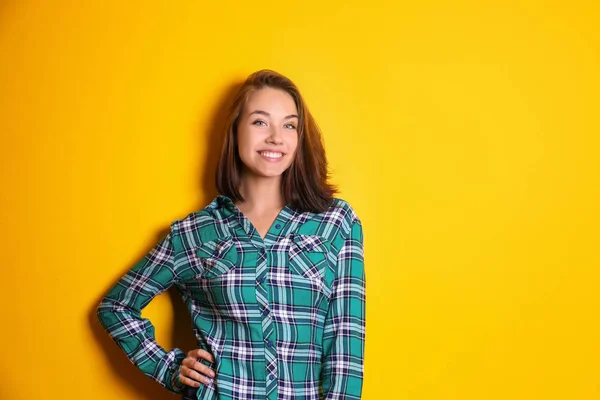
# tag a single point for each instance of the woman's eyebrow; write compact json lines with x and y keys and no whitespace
{"x":268,"y":115}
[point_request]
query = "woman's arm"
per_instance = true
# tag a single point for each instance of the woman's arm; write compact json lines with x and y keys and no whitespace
{"x":344,"y":332}
{"x":119,"y":313}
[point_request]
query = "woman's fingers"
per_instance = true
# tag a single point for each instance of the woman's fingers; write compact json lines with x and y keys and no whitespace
{"x":200,"y":353}
{"x":194,"y":375}
{"x":187,"y":381}
{"x":194,"y":365}
{"x":193,"y":372}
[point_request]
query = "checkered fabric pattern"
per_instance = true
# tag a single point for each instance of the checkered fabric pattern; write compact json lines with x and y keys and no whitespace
{"x":283,"y":316}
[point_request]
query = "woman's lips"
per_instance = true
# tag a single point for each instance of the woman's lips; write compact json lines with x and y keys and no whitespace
{"x":272,"y":156}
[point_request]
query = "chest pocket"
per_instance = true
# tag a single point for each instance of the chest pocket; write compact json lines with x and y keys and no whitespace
{"x":217,"y":257}
{"x":307,"y":257}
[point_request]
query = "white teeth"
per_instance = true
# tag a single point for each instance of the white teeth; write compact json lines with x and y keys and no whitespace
{"x":270,"y":154}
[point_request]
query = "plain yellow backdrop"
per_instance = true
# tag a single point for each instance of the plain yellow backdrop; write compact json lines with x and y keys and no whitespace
{"x":465,"y":135}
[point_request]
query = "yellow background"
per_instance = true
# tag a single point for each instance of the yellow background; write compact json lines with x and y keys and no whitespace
{"x":465,"y":135}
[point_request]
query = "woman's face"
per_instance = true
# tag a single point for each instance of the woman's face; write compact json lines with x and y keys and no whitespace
{"x":267,"y":132}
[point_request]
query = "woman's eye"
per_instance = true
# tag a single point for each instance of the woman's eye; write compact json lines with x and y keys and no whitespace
{"x":258,"y":121}
{"x":290,"y":126}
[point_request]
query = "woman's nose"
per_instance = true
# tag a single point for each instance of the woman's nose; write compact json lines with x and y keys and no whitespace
{"x":276,"y":135}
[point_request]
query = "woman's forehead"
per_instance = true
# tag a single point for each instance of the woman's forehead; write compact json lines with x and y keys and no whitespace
{"x":276,"y":102}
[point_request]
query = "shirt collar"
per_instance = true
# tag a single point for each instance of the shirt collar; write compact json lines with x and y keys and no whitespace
{"x":225,"y":201}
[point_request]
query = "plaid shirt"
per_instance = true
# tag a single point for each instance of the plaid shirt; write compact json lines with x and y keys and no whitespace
{"x":283,"y":316}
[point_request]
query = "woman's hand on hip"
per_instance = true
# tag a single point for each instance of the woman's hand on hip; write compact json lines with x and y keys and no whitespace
{"x":193,"y":372}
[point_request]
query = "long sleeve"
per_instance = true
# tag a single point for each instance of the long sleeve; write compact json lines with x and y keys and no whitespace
{"x":119,"y":313}
{"x":344,"y":332}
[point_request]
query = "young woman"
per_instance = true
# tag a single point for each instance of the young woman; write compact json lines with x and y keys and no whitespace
{"x":272,"y":270}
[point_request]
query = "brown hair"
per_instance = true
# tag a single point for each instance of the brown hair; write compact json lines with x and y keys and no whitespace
{"x":304,"y":184}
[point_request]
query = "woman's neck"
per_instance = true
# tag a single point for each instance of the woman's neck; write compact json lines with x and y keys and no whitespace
{"x":260,"y":194}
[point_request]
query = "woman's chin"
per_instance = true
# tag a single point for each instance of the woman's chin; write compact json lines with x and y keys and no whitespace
{"x":262,"y":172}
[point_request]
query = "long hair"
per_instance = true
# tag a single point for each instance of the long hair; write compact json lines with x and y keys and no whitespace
{"x":304,"y":184}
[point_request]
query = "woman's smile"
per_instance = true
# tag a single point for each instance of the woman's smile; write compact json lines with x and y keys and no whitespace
{"x":272,"y":156}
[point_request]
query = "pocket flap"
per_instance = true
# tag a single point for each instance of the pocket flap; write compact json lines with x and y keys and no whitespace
{"x":214,"y":248}
{"x":219,"y":256}
{"x":310,"y":243}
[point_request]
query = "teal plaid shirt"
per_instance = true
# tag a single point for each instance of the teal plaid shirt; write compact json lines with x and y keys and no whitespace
{"x":283,"y":316}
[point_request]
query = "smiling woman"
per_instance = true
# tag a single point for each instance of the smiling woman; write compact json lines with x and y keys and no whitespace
{"x":272,"y":270}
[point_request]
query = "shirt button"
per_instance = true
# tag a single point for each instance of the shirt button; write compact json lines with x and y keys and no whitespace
{"x":278,"y":226}
{"x":271,"y":377}
{"x":260,"y":280}
{"x":266,"y":311}
{"x":270,"y":343}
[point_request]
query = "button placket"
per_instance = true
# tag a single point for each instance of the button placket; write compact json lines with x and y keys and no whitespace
{"x":263,"y":297}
